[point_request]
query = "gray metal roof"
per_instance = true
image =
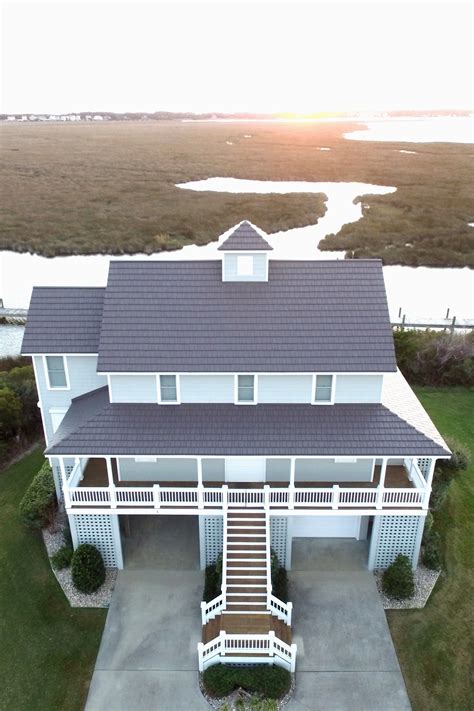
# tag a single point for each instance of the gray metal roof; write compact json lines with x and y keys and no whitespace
{"x":245,"y":239}
{"x":94,"y":426}
{"x":310,"y":316}
{"x":63,"y":320}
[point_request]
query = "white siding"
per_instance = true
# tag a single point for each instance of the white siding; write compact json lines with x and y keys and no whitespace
{"x":82,"y":378}
{"x":207,"y":388}
{"x":133,"y":388}
{"x":329,"y":470}
{"x":284,"y":388}
{"x":161,"y":470}
{"x":358,"y":388}
{"x":230,"y":267}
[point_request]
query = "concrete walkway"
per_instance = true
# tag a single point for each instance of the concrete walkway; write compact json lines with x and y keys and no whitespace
{"x":346,"y":659}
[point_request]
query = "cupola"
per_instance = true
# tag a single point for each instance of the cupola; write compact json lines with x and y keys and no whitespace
{"x":245,"y":255}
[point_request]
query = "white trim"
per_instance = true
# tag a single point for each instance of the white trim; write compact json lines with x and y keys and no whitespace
{"x":333,"y":389}
{"x":57,"y":411}
{"x":178,"y":389}
{"x":109,"y":383}
{"x":86,"y":355}
{"x":236,"y":390}
{"x":203,"y":455}
{"x":241,"y":372}
{"x":194,"y":511}
{"x":46,"y":372}
{"x":40,"y":403}
{"x":345,"y":460}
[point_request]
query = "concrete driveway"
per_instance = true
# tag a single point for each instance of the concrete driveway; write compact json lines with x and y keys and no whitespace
{"x":148,"y":655}
{"x":346,"y":659}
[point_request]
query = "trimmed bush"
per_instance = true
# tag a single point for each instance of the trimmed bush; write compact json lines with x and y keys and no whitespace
{"x":39,"y":501}
{"x":429,"y":520}
{"x":431,"y":554}
{"x":87,"y":567}
{"x":398,"y":581}
{"x":271,"y":682}
{"x":62,"y":558}
{"x":212,"y":580}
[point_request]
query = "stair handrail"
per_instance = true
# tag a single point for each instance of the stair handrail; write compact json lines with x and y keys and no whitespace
{"x":225,"y":505}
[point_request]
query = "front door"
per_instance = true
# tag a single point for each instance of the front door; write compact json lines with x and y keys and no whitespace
{"x":245,"y":469}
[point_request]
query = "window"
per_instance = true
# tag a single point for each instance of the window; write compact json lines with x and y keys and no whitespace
{"x":168,"y":388}
{"x":56,"y":371}
{"x":323,"y":389}
{"x":245,"y":388}
{"x":245,"y":266}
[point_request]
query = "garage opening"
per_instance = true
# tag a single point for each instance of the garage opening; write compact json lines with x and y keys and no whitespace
{"x":152,"y":542}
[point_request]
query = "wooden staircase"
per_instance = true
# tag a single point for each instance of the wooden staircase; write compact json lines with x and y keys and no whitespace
{"x":247,"y":575}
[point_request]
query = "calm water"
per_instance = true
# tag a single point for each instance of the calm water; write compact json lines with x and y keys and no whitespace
{"x":452,"y":129}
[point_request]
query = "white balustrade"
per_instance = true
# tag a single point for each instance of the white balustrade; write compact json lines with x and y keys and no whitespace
{"x":210,"y":609}
{"x":250,"y":648}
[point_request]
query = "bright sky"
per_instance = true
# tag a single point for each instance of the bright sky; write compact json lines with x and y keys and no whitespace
{"x":235,"y":56}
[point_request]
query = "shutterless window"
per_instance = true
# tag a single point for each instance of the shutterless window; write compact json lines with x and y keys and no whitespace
{"x":56,"y":372}
{"x":168,"y":391}
{"x":245,"y":388}
{"x":323,"y":390}
{"x":245,"y":266}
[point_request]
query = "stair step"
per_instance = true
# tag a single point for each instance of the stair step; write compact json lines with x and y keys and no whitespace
{"x":246,"y":535}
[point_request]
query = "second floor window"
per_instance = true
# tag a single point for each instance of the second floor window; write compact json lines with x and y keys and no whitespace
{"x":168,"y":388}
{"x":323,"y":389}
{"x":56,"y":370}
{"x":246,"y":388}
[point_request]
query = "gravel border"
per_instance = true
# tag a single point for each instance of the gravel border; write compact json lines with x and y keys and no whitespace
{"x":228,"y":702}
{"x":425,"y":580}
{"x":53,"y":541}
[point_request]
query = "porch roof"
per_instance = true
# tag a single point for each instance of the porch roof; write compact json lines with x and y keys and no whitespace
{"x":93,"y":426}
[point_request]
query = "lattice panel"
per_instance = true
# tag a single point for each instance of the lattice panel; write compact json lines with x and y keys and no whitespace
{"x":397,"y":534}
{"x":424,"y":463}
{"x":213,"y":537}
{"x":97,"y":530}
{"x":279,"y":537}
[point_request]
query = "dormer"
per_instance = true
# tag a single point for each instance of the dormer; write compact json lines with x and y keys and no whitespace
{"x":245,"y":255}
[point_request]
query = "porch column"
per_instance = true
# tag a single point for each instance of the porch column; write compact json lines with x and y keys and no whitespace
{"x":65,"y":485}
{"x":110,"y":476}
{"x":200,"y":491}
{"x":381,"y":486}
{"x":291,"y":493}
{"x":429,"y":482}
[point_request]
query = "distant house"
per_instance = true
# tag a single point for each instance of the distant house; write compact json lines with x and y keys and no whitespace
{"x":261,"y":396}
{"x":11,"y":118}
{"x":98,"y":118}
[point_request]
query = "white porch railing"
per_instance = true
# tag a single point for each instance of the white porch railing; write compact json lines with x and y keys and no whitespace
{"x":282,"y":610}
{"x":201,"y":497}
{"x":211,"y":609}
{"x":247,"y":649}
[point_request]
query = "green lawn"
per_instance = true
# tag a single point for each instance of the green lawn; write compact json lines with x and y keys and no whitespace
{"x":436,"y":645}
{"x":47,"y":650}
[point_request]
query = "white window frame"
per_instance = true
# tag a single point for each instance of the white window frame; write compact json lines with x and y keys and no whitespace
{"x":66,"y":372}
{"x":245,"y":265}
{"x":236,"y":390}
{"x":178,"y":390}
{"x":313,"y":390}
{"x":56,"y":411}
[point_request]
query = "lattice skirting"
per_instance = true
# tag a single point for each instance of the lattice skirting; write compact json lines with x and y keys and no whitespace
{"x":103,"y":532}
{"x":279,"y":537}
{"x":392,"y":535}
{"x":424,"y":463}
{"x":211,"y":538}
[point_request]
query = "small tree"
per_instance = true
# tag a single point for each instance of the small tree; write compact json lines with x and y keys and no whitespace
{"x":87,"y":568}
{"x":398,"y":581}
{"x":38,"y":504}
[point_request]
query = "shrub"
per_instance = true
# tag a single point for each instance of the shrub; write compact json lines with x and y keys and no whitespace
{"x":460,"y":457}
{"x":280,"y":584}
{"x":435,"y":358}
{"x":39,"y":501}
{"x":431,"y":554}
{"x":87,"y":567}
{"x":398,"y":581}
{"x":429,"y":520}
{"x":212,"y":580}
{"x":271,"y":682}
{"x":62,"y":558}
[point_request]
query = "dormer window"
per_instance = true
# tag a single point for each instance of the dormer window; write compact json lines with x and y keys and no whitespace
{"x":245,"y":265}
{"x":168,"y":389}
{"x":323,"y":389}
{"x":245,"y":390}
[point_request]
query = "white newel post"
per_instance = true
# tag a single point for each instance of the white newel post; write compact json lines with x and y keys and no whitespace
{"x":271,"y":643}
{"x":381,"y":486}
{"x":67,"y":498}
{"x":335,"y":496}
{"x":201,"y":656}
{"x":289,"y":607}
{"x":200,"y":492}
{"x":225,"y":501}
{"x":293,"y":658}
{"x":203,"y":612}
{"x":156,"y":496}
{"x":266,"y":497}
{"x":110,"y":476}
{"x":291,"y":488}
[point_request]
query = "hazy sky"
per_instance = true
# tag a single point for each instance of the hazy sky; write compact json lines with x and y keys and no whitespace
{"x":235,"y":56}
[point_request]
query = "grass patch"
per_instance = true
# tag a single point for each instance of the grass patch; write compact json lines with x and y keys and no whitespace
{"x":110,"y":188}
{"x":47,"y":649}
{"x":435,"y":645}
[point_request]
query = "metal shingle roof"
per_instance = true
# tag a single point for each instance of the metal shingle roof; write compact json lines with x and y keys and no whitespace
{"x":310,"y":316}
{"x":94,"y":426}
{"x":245,"y":238}
{"x":63,"y":320}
